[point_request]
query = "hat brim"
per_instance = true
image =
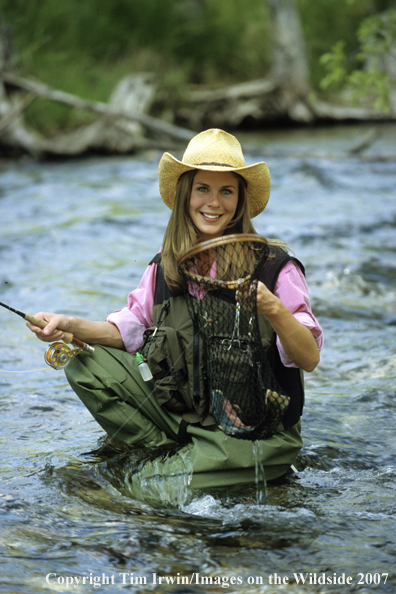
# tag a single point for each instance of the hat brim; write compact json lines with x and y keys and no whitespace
{"x":257,"y":177}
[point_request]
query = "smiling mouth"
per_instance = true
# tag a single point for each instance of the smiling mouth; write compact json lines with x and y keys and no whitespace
{"x":212,"y":217}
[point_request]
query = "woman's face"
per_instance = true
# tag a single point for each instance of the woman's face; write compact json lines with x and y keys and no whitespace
{"x":213,"y":202}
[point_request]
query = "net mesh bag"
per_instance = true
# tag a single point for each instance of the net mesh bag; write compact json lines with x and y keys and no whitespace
{"x":221,"y":277}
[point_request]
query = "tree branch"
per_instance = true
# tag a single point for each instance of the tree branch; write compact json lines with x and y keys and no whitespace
{"x":150,"y":123}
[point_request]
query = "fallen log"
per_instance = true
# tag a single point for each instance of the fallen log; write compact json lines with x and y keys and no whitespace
{"x":150,"y":123}
{"x":133,"y":94}
{"x":16,"y":111}
{"x":323,"y":110}
{"x":263,"y":101}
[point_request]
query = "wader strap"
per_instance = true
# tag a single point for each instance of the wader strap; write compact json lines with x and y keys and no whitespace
{"x":163,"y":312}
{"x":180,"y":374}
{"x":182,"y":436}
{"x":197,"y":388}
{"x":161,"y":317}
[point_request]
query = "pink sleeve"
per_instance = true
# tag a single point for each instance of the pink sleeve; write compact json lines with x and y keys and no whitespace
{"x":133,"y":319}
{"x":292,"y":290}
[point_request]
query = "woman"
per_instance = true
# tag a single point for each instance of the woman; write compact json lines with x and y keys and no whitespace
{"x":211,"y":193}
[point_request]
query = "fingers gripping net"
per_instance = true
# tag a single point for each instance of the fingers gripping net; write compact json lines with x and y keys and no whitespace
{"x":221,"y":279}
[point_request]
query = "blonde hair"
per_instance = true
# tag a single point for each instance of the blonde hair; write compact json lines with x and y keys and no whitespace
{"x":181,"y":234}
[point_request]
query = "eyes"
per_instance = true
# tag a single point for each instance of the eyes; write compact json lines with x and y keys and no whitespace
{"x":205,"y":190}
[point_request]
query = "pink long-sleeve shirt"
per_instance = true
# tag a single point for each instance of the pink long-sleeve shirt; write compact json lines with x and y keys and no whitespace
{"x":290,"y":288}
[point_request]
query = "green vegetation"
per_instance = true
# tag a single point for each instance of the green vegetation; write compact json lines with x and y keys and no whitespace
{"x":377,"y":40}
{"x":86,"y":46}
{"x":324,"y":23}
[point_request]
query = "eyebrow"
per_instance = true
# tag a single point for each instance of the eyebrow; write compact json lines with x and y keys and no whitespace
{"x":208,"y":185}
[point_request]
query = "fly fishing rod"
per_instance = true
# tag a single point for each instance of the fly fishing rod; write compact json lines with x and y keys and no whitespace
{"x":59,"y":353}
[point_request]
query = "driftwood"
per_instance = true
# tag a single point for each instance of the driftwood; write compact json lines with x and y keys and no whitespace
{"x":260,"y":102}
{"x":152,"y":124}
{"x":121,"y":128}
{"x":123,"y":125}
{"x":15,"y":112}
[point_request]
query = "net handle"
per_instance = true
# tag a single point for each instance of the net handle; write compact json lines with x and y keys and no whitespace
{"x":218,"y":241}
{"x":240,"y":284}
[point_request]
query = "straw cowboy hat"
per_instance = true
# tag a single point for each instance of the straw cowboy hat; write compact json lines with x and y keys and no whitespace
{"x":215,"y":150}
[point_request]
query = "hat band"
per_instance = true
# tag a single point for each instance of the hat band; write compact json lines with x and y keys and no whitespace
{"x":214,"y":164}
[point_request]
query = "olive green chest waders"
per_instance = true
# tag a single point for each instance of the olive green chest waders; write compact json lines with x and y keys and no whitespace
{"x":109,"y":384}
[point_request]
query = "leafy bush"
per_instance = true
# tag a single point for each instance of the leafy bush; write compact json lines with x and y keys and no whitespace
{"x":376,"y":76}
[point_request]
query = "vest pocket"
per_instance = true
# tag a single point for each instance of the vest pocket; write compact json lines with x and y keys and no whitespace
{"x":165,"y":356}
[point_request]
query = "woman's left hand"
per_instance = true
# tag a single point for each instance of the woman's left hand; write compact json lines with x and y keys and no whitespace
{"x":296,"y":339}
{"x":266,"y":301}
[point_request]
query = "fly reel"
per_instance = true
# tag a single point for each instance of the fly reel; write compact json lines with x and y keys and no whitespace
{"x":59,"y":354}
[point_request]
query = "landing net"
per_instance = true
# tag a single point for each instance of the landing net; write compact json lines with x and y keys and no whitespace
{"x":221,"y":278}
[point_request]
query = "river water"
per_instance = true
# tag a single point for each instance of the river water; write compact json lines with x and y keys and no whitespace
{"x":75,"y":238}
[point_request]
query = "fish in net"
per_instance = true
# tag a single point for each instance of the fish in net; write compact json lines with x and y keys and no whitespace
{"x":221,"y":277}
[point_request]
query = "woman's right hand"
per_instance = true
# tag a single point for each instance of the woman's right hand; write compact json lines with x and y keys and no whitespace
{"x":104,"y":333}
{"x":56,"y":326}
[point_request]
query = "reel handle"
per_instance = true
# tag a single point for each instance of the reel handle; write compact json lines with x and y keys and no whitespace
{"x":68,"y":338}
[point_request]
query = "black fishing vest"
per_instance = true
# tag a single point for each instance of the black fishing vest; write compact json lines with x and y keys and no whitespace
{"x":290,"y":378}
